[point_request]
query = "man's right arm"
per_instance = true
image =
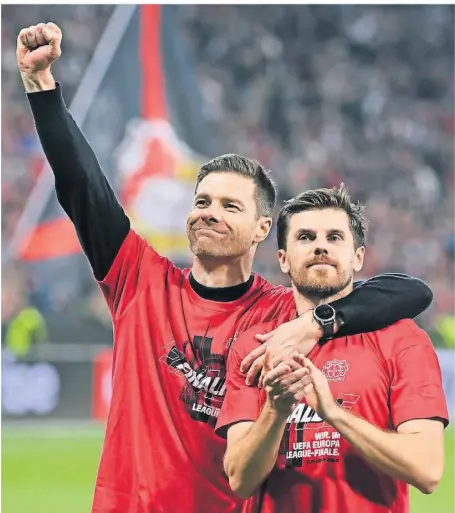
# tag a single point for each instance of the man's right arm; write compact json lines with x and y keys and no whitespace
{"x":252,"y":450}
{"x":82,"y":189}
{"x":253,"y":435}
{"x":254,"y":427}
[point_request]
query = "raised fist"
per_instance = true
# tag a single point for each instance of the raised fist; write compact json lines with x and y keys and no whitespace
{"x":38,"y":47}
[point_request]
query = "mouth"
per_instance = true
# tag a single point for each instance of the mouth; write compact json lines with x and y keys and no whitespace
{"x":321,"y":264}
{"x":208,"y":230}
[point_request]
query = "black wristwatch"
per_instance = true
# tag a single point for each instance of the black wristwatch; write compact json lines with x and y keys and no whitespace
{"x":325,"y":316}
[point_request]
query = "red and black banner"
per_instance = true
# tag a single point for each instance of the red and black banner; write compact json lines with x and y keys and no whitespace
{"x":147,"y":128}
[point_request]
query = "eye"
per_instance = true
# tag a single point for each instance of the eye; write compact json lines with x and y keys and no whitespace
{"x":232,"y":207}
{"x":305,"y":237}
{"x":201,"y":203}
{"x":335,"y":237}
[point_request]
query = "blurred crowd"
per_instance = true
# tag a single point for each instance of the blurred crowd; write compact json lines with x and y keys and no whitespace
{"x":320,"y":95}
{"x":359,"y":94}
{"x":22,"y":158}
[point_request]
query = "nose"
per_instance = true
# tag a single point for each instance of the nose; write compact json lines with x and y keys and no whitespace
{"x":320,"y":250}
{"x":211,"y":215}
{"x":320,"y":245}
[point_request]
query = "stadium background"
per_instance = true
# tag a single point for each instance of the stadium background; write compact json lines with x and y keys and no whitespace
{"x":320,"y":94}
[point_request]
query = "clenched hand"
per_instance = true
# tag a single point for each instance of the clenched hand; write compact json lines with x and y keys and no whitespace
{"x":299,"y":335}
{"x":37,"y":48}
{"x":285,"y":384}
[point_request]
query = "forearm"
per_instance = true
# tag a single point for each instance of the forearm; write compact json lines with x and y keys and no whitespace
{"x":82,"y":189}
{"x":380,"y":302}
{"x":402,"y":456}
{"x":70,"y":156}
{"x":249,"y":461}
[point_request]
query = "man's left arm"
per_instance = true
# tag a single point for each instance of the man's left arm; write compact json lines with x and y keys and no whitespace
{"x":373,"y":304}
{"x":415,"y":452}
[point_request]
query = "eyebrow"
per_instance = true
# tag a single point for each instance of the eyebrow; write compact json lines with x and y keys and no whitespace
{"x":203,"y":195}
{"x":336,"y":231}
{"x":308,"y":231}
{"x":234,"y":200}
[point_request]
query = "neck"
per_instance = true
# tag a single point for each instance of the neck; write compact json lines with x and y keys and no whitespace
{"x":308,"y":302}
{"x":218,"y":273}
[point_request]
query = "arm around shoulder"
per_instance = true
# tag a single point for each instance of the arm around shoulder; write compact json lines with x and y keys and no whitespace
{"x":380,"y":302}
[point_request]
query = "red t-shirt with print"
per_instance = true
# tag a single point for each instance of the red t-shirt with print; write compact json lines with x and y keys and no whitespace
{"x":387,"y":377}
{"x":160,"y":453}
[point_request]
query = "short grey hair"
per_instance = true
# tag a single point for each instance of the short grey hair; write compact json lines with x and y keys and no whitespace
{"x":265,"y":188}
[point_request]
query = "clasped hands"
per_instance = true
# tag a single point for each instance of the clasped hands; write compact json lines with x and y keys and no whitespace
{"x":295,"y":379}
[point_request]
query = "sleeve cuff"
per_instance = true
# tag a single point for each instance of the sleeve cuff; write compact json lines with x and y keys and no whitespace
{"x":45,"y":104}
{"x":428,"y":414}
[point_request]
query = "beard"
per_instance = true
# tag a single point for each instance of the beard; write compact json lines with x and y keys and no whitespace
{"x":320,"y":284}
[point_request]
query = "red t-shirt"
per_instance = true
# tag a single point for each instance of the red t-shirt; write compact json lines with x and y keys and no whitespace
{"x":160,"y":453}
{"x":387,"y":377}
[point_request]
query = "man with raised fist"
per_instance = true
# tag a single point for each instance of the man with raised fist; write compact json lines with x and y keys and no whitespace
{"x":174,"y":328}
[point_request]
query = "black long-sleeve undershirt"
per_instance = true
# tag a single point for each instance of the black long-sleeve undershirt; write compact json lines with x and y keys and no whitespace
{"x":82,"y":188}
{"x":102,"y":225}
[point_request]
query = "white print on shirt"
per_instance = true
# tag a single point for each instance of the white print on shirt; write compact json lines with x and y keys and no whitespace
{"x":211,"y":384}
{"x":304,"y":417}
{"x":325,"y":444}
{"x":204,"y":376}
{"x":303,"y":444}
{"x":335,"y":370}
{"x":207,"y":410}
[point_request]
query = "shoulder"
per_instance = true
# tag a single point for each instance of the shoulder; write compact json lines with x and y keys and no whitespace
{"x":270,"y":295}
{"x":269,"y":290}
{"x":135,"y":247}
{"x":401,"y":335}
{"x":138,"y":247}
{"x":139,"y":264}
{"x":402,"y":329}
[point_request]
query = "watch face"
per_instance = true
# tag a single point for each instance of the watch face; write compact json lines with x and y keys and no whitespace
{"x":325,"y":312}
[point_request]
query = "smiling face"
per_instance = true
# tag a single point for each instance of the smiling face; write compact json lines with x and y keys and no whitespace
{"x":320,"y":254}
{"x":224,"y":221}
